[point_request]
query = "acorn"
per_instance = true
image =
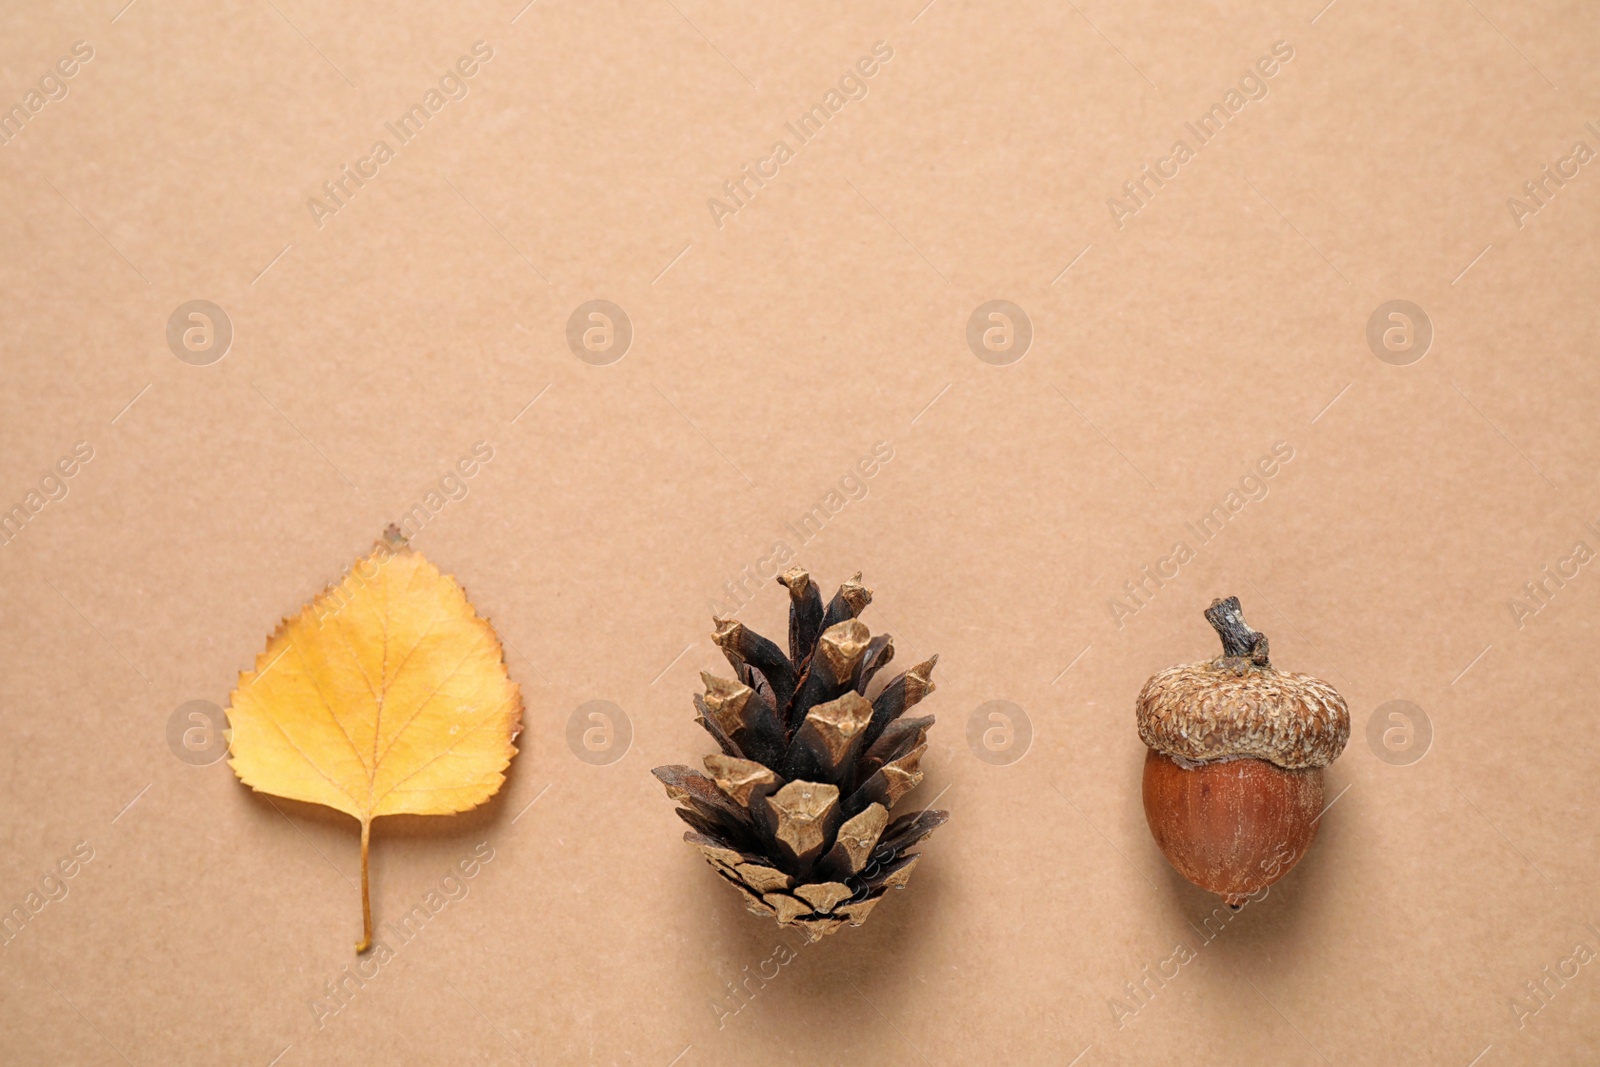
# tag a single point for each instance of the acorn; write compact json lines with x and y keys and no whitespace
{"x":1233,"y":779}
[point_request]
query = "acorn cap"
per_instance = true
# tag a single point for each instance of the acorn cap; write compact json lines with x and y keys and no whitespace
{"x":1239,"y":705}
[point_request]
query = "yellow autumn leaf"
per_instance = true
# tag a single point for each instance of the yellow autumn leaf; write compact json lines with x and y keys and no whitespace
{"x":386,"y":695}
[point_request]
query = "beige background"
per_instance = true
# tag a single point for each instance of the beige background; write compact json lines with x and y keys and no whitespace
{"x":768,"y":356}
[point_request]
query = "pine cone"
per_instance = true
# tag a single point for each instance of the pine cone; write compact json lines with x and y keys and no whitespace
{"x":796,"y":811}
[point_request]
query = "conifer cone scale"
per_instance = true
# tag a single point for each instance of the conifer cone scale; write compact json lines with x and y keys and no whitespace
{"x":794,"y":810}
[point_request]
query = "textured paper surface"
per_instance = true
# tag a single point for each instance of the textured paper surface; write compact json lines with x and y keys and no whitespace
{"x":1213,"y":399}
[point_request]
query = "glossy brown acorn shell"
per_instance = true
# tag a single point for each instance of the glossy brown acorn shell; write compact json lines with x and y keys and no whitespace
{"x":1231,"y":826}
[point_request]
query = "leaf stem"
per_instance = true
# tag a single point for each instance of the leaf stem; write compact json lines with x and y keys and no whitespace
{"x":366,"y":896}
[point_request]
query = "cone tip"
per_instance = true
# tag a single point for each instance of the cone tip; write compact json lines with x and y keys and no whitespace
{"x":855,"y":594}
{"x":796,"y":579}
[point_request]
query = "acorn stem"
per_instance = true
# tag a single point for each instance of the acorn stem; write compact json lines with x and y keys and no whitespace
{"x":1238,"y":640}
